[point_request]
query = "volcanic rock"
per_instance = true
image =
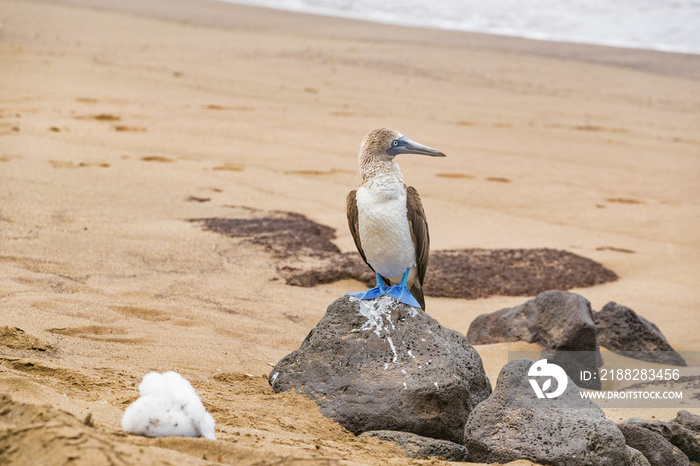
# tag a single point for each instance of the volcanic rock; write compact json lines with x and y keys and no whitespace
{"x":566,"y":430}
{"x":382,"y":365}
{"x":688,"y":420}
{"x":622,"y":330}
{"x":685,"y":439}
{"x":419,"y":447}
{"x":637,"y":458}
{"x":559,"y":321}
{"x":655,"y":448}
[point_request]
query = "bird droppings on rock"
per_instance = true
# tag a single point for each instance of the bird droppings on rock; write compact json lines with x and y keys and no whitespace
{"x":308,"y":257}
{"x":355,"y":364}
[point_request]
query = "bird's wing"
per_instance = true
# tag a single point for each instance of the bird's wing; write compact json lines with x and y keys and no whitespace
{"x":353,"y":224}
{"x":419,"y":230}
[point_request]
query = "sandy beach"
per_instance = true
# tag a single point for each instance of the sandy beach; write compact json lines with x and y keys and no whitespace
{"x":118,"y":127}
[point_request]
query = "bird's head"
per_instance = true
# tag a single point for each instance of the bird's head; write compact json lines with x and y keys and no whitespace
{"x":385,"y":144}
{"x":381,"y":145}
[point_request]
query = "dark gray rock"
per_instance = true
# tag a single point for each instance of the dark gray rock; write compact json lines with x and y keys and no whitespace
{"x":383,"y":365}
{"x":685,"y":439}
{"x":688,"y":420}
{"x":559,"y":321}
{"x":655,"y":448}
{"x":564,"y":431}
{"x":420,"y":447}
{"x":622,"y":330}
{"x":637,"y":458}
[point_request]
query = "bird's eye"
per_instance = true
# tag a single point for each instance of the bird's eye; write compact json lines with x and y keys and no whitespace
{"x":395,"y":142}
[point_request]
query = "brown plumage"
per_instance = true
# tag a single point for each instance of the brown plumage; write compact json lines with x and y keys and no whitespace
{"x":383,"y":198}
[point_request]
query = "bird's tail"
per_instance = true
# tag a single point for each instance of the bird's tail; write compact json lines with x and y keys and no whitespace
{"x":417,"y":292}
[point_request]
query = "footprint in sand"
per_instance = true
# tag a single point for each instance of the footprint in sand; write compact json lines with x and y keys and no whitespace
{"x":228,"y":167}
{"x":73,"y":378}
{"x":498,"y":179}
{"x":316,"y":172}
{"x":142,"y":313}
{"x":67,"y":164}
{"x":615,"y":249}
{"x":463,"y":176}
{"x":16,"y":338}
{"x":622,"y":200}
{"x":108,"y":117}
{"x":197,"y":199}
{"x":7,"y":128}
{"x":98,"y":333}
{"x":156,"y":158}
{"x":239,"y":108}
{"x":128,"y":129}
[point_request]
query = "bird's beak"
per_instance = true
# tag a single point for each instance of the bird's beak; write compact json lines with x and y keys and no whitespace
{"x":406,"y":146}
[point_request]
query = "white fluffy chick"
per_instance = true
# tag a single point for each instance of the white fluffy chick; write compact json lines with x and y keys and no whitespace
{"x":168,"y":407}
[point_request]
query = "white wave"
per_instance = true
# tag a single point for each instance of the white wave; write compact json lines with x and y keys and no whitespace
{"x":667,"y":25}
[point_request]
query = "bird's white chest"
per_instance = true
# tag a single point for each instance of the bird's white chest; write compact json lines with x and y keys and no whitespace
{"x":384,"y":230}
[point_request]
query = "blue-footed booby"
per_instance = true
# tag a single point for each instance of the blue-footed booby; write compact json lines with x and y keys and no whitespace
{"x":387,"y":220}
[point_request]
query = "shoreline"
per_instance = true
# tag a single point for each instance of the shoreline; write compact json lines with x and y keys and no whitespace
{"x":224,"y":15}
{"x":538,"y":37}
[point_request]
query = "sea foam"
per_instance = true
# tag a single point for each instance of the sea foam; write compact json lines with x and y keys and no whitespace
{"x":168,"y":407}
{"x":667,"y":25}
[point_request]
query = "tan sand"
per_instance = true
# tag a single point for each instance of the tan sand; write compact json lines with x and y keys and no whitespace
{"x":112,"y":123}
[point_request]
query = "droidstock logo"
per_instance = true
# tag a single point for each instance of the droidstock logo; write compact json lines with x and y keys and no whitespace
{"x":543,"y":369}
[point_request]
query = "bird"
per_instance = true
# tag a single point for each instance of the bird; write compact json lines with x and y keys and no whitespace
{"x":387,"y":220}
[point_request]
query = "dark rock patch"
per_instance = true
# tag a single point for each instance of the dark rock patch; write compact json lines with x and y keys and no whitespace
{"x":622,"y":330}
{"x":685,"y":439}
{"x":467,"y":273}
{"x":347,"y":266}
{"x":383,"y":365}
{"x":480,"y":273}
{"x":567,"y":430}
{"x":655,"y":448}
{"x":559,"y":321}
{"x":419,"y":447}
{"x":284,"y":234}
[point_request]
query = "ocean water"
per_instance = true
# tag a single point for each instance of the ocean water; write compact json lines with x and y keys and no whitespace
{"x":667,"y":25}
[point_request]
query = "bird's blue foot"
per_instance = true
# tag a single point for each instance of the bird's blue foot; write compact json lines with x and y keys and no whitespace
{"x":380,"y":290}
{"x":399,"y":292}
{"x":402,"y":295}
{"x":372,"y":293}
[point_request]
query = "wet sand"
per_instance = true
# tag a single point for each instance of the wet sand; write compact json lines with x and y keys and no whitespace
{"x":119,"y":127}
